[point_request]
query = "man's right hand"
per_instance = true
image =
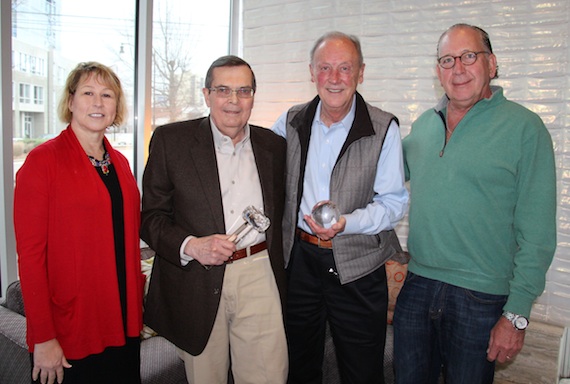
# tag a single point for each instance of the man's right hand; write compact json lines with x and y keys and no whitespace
{"x":210,"y":250}
{"x":49,"y":362}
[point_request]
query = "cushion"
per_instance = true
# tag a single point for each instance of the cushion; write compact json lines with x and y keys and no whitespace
{"x":160,"y":363}
{"x":147,"y":253}
{"x":147,"y":259}
{"x":395,"y":274}
{"x":14,"y":300}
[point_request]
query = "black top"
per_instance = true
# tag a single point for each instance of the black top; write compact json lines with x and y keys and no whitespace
{"x":112,"y":183}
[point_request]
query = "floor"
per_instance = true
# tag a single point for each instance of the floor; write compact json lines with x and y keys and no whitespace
{"x":537,"y":363}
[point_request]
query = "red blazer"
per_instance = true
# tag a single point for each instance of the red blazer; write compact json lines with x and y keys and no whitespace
{"x":66,"y":255}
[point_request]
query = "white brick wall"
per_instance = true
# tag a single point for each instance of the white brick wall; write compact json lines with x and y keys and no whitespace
{"x":399,"y":37}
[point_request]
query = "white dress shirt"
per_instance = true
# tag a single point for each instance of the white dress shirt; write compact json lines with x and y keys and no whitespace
{"x":239,"y":185}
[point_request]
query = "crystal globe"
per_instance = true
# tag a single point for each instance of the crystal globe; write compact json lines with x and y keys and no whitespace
{"x":325,"y":213}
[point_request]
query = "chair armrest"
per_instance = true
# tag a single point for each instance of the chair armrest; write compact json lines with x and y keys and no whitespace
{"x":160,"y":363}
{"x":15,"y":367}
{"x":13,"y":327}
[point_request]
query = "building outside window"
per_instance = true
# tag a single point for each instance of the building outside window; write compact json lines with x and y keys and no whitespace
{"x":25,"y":93}
{"x":28,"y":125}
{"x":38,"y":95}
{"x":50,"y":37}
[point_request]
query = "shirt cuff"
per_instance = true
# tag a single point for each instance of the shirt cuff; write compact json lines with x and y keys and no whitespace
{"x":184,"y":258}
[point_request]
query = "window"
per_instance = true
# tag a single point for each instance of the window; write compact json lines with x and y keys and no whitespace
{"x":50,"y":6}
{"x":25,"y":93}
{"x":38,"y":95}
{"x":50,"y":37}
{"x":28,"y":125}
{"x":32,"y":64}
{"x":184,"y":46}
{"x":23,"y":62}
{"x":53,"y":37}
{"x":67,"y":32}
{"x":40,"y":70}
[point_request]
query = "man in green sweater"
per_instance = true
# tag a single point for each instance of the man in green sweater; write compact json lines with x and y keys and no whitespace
{"x":482,"y":222}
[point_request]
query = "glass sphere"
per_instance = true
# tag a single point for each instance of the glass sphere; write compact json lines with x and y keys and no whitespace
{"x":325,"y":213}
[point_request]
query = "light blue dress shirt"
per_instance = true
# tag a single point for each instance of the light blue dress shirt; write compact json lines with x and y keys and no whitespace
{"x":390,"y":202}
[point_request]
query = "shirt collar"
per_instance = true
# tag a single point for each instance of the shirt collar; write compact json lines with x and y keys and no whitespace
{"x":222,"y":141}
{"x":345,"y":123}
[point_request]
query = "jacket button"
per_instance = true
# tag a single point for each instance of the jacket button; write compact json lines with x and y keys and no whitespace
{"x":216,"y":291}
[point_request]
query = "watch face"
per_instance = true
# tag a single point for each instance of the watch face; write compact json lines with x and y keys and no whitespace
{"x":521,"y":322}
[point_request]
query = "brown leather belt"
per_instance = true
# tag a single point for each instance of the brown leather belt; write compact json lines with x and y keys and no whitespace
{"x":312,"y":239}
{"x":241,"y":253}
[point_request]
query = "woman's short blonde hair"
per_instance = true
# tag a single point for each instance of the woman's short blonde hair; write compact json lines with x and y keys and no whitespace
{"x":105,"y":75}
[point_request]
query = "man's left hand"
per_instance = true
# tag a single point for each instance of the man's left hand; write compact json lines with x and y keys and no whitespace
{"x":505,"y":341}
{"x":326,"y":233}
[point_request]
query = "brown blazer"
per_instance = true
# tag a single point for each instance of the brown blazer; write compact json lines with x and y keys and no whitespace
{"x":181,"y":197}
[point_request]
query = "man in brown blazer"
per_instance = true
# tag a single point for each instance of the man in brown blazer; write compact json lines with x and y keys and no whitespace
{"x":209,"y":296}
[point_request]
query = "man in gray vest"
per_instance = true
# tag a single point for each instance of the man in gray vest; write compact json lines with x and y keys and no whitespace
{"x":342,"y":149}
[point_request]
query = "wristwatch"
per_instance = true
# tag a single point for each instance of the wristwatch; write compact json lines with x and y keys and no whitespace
{"x":518,"y":321}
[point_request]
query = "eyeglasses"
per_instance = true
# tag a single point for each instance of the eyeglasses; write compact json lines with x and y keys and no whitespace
{"x":467,"y":58}
{"x":242,"y":93}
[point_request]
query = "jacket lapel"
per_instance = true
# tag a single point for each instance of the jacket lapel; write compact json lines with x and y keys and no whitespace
{"x":264,"y":163}
{"x":204,"y":156}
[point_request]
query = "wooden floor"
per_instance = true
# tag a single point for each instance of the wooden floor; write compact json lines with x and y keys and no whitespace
{"x":537,"y":363}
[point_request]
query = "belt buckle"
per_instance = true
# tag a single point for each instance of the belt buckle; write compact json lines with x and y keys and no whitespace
{"x":246,"y":250}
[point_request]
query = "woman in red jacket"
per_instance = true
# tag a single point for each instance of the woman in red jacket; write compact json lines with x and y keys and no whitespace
{"x":76,"y":215}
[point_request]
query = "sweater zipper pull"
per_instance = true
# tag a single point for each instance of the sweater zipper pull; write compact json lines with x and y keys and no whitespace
{"x":443,"y":120}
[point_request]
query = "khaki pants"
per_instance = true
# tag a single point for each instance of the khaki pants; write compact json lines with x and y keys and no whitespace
{"x":248,"y":326}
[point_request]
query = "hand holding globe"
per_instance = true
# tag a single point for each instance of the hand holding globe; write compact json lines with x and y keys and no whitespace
{"x":325,"y":213}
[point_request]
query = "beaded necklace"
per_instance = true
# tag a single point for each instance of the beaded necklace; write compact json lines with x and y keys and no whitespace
{"x":103,"y":164}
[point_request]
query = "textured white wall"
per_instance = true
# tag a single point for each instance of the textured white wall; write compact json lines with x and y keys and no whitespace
{"x":399,"y":37}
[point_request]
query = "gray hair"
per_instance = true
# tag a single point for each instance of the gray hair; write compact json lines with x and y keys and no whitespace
{"x":338,"y":35}
{"x":485,"y":40}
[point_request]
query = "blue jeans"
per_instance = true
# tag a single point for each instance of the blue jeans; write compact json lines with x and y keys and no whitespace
{"x":443,"y":329}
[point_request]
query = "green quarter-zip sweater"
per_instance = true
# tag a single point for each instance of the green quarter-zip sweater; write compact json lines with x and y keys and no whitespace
{"x":483,"y":205}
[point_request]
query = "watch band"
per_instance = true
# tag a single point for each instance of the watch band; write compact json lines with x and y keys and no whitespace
{"x":518,"y":321}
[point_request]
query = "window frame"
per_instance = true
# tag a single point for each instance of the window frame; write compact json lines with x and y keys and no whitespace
{"x":142,"y":115}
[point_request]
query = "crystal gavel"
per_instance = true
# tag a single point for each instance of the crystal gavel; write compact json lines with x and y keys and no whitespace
{"x":254,"y":219}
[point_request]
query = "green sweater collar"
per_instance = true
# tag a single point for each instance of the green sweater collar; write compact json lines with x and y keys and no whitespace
{"x":496,"y":97}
